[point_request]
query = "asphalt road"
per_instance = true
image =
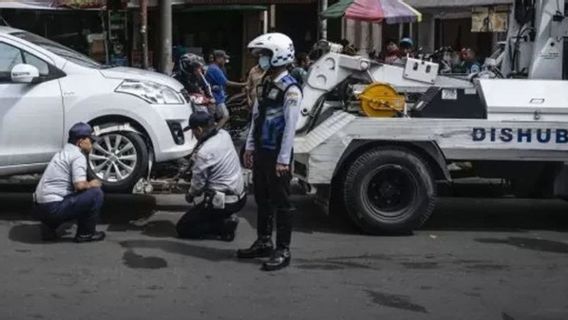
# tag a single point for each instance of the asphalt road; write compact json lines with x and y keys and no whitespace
{"x":475,"y":259}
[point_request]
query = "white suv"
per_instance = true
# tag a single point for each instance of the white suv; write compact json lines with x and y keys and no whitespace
{"x":45,"y":88}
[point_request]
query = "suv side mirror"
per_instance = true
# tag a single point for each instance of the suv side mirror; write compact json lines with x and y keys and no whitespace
{"x":24,"y":73}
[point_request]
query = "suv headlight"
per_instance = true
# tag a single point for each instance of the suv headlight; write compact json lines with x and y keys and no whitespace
{"x":150,"y":92}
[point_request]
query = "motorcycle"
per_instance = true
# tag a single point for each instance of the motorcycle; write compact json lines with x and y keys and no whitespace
{"x":240,"y":116}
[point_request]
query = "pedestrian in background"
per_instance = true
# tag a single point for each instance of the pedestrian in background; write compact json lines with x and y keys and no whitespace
{"x":472,"y":65}
{"x":406,"y":46}
{"x":348,"y":48}
{"x":254,"y":79}
{"x":392,"y":53}
{"x":190,"y":73}
{"x":300,"y":70}
{"x":218,"y":80}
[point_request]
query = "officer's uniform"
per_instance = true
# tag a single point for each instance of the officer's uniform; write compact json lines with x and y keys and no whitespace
{"x":55,"y":196}
{"x":217,"y":189}
{"x":271,"y":138}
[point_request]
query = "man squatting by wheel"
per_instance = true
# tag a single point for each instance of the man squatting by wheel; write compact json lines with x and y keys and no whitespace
{"x":217,"y":186}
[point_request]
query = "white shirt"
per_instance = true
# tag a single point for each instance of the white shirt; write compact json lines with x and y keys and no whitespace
{"x":216,"y":166}
{"x":67,"y":167}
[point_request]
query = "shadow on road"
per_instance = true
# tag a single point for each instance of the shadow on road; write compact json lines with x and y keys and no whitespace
{"x":185,"y":249}
{"x":514,"y":215}
{"x":117,"y":212}
{"x":499,"y":215}
{"x":117,"y":208}
{"x":308,"y":217}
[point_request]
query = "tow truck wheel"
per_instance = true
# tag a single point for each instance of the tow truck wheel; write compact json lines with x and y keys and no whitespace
{"x":119,"y":160}
{"x":389,"y":191}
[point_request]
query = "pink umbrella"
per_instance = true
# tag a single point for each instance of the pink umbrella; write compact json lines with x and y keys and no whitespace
{"x":389,"y":11}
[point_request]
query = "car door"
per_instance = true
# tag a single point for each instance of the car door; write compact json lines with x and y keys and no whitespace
{"x":31,"y":115}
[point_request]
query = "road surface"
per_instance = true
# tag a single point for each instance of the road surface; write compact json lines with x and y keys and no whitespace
{"x":475,"y":259}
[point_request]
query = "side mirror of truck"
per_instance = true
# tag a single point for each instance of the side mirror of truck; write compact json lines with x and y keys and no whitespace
{"x":24,"y":73}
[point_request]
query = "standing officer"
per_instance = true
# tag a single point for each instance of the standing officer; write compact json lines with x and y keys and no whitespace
{"x":64,"y":194}
{"x":269,"y":148}
{"x":217,"y":186}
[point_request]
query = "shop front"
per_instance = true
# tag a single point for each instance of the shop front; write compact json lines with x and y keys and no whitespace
{"x":201,"y":26}
{"x":109,"y":30}
{"x":202,"y":29}
{"x":476,"y":24}
{"x":96,"y":28}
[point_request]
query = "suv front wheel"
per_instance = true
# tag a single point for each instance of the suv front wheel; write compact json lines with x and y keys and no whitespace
{"x":119,"y":160}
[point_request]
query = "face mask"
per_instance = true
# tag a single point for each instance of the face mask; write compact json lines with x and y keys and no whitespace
{"x":264,"y":62}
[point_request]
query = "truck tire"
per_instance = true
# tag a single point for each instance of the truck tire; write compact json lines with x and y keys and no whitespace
{"x":119,"y":160}
{"x":389,"y":191}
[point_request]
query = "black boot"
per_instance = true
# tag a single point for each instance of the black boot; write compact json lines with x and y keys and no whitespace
{"x":261,"y":248}
{"x":280,"y":259}
{"x":229,"y":227}
{"x":93,"y":237}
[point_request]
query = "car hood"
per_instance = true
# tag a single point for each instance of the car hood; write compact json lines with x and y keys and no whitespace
{"x":141,"y":75}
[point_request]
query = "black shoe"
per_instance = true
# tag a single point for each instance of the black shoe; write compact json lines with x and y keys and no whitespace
{"x":48,"y":233}
{"x":280,"y":259}
{"x":229,"y":228}
{"x":260,"y":249}
{"x":97,"y":236}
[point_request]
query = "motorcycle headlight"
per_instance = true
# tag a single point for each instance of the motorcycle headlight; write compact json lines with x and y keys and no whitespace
{"x":150,"y":92}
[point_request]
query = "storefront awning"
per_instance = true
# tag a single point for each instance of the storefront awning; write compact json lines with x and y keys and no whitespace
{"x":53,"y":4}
{"x":153,"y":3}
{"x":256,"y":2}
{"x":454,"y":3}
{"x":235,"y":7}
{"x":26,"y":4}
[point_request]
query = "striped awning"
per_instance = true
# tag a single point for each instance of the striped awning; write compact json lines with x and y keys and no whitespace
{"x":377,"y":11}
{"x":54,"y":4}
{"x":455,"y":3}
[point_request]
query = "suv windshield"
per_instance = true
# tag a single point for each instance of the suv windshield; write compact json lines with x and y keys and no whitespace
{"x":58,"y":49}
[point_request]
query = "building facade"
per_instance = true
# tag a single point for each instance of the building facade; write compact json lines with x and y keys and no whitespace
{"x":199,"y":26}
{"x":444,"y":23}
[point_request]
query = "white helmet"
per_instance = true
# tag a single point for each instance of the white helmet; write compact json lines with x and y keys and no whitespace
{"x":279,"y":44}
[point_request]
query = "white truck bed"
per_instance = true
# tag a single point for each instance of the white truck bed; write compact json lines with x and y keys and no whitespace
{"x":320,"y":150}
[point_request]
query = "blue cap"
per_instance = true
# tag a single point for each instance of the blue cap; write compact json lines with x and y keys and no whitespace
{"x":199,"y":119}
{"x":82,"y":130}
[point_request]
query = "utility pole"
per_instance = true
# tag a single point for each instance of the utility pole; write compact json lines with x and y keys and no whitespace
{"x":144,"y":32}
{"x":165,"y":35}
{"x":323,"y":22}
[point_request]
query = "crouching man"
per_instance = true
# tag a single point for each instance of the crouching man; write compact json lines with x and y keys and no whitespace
{"x":65,"y":194}
{"x":217,"y":186}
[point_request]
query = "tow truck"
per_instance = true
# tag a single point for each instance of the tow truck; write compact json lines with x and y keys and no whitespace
{"x":378,"y":140}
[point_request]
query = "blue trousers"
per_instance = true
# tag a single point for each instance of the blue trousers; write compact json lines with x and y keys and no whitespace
{"x":83,"y":206}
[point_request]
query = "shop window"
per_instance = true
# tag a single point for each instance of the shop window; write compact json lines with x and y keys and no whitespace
{"x":9,"y":57}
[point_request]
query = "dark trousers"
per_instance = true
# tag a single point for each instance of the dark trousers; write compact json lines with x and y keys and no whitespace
{"x":83,"y":206}
{"x":201,"y":222}
{"x":272,"y":198}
